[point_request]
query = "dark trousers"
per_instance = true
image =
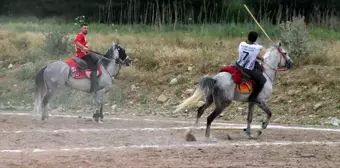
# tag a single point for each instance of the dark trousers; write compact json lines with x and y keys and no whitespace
{"x":91,"y":61}
{"x":259,"y":79}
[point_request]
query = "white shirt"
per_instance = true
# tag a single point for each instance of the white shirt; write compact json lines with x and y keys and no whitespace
{"x":248,"y":54}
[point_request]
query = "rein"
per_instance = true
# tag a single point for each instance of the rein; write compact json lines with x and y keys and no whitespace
{"x":278,"y":69}
{"x":102,"y":56}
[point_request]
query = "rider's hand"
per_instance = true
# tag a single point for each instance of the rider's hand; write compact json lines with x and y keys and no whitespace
{"x":86,"y":49}
{"x":260,"y":58}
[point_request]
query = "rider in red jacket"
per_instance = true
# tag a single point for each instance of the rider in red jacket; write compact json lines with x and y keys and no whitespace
{"x":83,"y":52}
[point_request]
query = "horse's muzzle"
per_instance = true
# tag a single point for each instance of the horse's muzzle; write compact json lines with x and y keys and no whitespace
{"x":289,"y":64}
{"x":128,"y":61}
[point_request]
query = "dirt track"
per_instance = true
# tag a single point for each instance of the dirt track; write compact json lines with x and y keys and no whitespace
{"x":137,"y":142}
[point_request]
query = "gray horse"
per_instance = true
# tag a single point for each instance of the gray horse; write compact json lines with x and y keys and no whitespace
{"x":222,"y":90}
{"x":59,"y":74}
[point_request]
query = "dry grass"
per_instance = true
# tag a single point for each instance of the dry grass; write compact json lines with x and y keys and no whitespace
{"x":159,"y":58}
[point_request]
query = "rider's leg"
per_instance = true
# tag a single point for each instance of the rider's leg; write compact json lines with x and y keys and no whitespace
{"x":93,"y":66}
{"x":92,"y":61}
{"x":260,"y":80}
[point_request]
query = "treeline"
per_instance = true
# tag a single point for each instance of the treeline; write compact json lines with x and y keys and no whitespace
{"x":172,"y":11}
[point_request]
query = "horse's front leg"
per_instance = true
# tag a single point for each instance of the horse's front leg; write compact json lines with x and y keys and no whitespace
{"x":99,"y":101}
{"x":250,"y":119}
{"x":266,"y":109}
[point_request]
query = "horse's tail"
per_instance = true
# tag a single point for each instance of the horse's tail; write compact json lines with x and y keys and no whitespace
{"x":205,"y":88}
{"x":40,"y":89}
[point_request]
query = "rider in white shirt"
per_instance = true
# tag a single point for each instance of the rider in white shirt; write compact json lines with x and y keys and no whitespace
{"x":248,"y":53}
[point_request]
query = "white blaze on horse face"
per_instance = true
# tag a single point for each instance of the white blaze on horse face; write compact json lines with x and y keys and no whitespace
{"x":115,"y":53}
{"x":285,"y":58}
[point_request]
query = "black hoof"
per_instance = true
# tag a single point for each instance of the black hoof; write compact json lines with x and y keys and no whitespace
{"x":96,"y":117}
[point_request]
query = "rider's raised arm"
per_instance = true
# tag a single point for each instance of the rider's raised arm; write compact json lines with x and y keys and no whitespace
{"x":261,"y":54}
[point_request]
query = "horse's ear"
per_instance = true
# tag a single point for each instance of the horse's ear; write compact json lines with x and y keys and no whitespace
{"x":279,"y":43}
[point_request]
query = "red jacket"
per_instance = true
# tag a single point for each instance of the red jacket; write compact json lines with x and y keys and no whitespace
{"x":81,"y":38}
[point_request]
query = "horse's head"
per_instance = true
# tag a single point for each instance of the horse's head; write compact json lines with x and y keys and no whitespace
{"x":281,"y":56}
{"x":118,"y":53}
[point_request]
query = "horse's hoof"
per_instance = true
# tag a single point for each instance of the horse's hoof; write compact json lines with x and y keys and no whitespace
{"x":259,"y":133}
{"x":210,"y":139}
{"x":251,"y":136}
{"x":44,"y":118}
{"x":264,"y":125}
{"x":95,"y":115}
{"x":248,"y":131}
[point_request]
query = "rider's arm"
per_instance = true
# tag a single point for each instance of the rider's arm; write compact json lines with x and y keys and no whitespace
{"x":82,"y":47}
{"x":78,"y":44}
{"x":261,"y":54}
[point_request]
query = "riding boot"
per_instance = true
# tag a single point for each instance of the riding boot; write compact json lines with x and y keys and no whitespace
{"x":254,"y":94}
{"x":94,"y":81}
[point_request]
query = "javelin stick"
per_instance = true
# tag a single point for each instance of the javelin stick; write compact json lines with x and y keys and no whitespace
{"x":257,"y":22}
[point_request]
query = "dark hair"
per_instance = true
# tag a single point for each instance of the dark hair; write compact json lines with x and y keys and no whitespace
{"x":252,"y":36}
{"x":83,"y":24}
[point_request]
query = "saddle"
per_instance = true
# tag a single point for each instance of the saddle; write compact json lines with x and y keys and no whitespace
{"x":80,"y":63}
{"x":243,"y":82}
{"x":79,"y":68}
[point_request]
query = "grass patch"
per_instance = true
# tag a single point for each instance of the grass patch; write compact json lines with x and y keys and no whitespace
{"x":161,"y":54}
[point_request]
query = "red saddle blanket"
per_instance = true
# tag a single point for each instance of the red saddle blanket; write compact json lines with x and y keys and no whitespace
{"x":241,"y":86}
{"x":79,"y":73}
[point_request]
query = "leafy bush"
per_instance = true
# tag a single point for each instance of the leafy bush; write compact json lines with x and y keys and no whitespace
{"x":57,"y":43}
{"x":296,"y":38}
{"x":147,"y":60}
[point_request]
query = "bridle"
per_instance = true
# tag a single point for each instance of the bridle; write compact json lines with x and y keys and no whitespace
{"x":282,"y":56}
{"x":118,"y":60}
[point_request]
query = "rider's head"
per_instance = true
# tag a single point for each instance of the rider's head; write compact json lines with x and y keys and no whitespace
{"x":252,"y":36}
{"x":84,"y":28}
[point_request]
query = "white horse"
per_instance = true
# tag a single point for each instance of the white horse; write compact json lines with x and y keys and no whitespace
{"x":58,"y":74}
{"x":222,"y":90}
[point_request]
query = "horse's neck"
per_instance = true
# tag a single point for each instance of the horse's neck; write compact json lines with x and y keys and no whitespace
{"x":270,"y":67}
{"x":110,"y":68}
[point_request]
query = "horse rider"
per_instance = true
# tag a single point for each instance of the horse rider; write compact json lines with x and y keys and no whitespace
{"x":249,"y":51}
{"x":83,"y":52}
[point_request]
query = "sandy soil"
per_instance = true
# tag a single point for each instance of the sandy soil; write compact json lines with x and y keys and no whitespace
{"x":136,"y":142}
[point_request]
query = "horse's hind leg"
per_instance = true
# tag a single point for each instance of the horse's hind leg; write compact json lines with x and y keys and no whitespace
{"x":200,"y":111}
{"x":45,"y":102}
{"x":220,"y":106}
{"x":99,"y":101}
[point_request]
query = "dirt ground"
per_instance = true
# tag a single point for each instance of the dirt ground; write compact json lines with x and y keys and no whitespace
{"x":67,"y":141}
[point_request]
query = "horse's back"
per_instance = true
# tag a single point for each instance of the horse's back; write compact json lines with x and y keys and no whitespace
{"x":226,"y":84}
{"x":57,"y":71}
{"x":224,"y":79}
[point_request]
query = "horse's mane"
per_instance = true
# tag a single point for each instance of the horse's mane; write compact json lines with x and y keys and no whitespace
{"x":104,"y":61}
{"x":269,"y":50}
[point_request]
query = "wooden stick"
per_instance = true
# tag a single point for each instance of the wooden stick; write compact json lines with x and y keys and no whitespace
{"x":257,"y":22}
